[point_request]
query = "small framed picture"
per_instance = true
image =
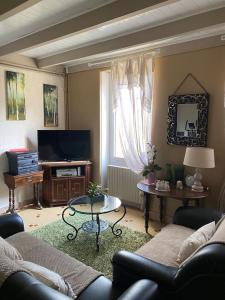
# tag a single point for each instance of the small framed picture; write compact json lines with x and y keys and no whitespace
{"x":15,"y":96}
{"x":50,"y":95}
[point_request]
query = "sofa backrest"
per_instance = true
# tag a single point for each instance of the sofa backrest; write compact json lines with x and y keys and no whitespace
{"x":195,"y":218}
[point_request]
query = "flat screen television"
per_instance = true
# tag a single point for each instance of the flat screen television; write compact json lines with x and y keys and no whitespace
{"x":68,"y":145}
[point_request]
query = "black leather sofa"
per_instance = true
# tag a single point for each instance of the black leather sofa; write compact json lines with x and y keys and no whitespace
{"x":202,"y":277}
{"x":22,"y":286}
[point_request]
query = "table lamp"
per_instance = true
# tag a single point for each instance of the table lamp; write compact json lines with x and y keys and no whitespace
{"x":199,"y":157}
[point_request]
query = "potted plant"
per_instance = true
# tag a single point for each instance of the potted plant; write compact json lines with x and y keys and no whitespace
{"x":150,"y":169}
{"x":95,"y":191}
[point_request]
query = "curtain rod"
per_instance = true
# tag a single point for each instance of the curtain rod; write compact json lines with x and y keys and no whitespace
{"x":121,"y":57}
{"x":2,"y":63}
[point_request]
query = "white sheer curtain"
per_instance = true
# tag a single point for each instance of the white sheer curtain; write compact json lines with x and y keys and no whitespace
{"x":132,"y":98}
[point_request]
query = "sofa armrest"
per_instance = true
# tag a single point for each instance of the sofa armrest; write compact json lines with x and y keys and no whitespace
{"x":21,"y":286}
{"x":130,"y":267}
{"x":10,"y":224}
{"x":195,"y":218}
{"x":143,"y":289}
{"x":207,"y":261}
{"x":203,"y":273}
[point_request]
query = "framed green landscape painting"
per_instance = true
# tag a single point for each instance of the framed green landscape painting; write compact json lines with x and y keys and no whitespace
{"x":15,"y":96}
{"x":50,"y":93}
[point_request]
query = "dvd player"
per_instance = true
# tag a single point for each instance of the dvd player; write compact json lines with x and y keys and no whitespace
{"x":68,"y":172}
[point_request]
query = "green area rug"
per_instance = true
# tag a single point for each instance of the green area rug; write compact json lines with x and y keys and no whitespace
{"x":83,"y":247}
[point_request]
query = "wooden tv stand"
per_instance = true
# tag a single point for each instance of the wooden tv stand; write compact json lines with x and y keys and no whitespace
{"x":59,"y":190}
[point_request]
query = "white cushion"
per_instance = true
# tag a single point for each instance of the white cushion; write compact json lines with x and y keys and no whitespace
{"x":194,"y":241}
{"x":8,"y":250}
{"x":219,"y":235}
{"x":48,"y":277}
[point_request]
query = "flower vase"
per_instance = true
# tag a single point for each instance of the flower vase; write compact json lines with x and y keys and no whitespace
{"x":169,"y":173}
{"x":178,"y":173}
{"x":151,"y":178}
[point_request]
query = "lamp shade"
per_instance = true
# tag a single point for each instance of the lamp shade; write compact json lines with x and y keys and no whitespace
{"x":199,"y":157}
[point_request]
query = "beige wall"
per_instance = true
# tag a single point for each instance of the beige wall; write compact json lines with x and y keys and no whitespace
{"x":207,"y":65}
{"x":84,"y":109}
{"x":17,"y":134}
{"x":25,"y":61}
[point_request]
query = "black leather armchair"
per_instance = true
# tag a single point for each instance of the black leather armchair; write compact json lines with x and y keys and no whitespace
{"x":202,"y":277}
{"x":22,"y":286}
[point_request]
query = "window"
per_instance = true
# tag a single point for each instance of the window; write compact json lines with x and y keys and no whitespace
{"x":115,"y":147}
{"x":116,"y":156}
{"x":117,"y":151}
{"x":129,"y":129}
{"x":132,"y":118}
{"x":111,"y":148}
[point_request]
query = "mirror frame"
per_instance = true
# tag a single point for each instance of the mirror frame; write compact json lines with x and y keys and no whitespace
{"x":202,"y":101}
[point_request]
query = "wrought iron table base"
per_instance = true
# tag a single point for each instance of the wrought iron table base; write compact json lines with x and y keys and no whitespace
{"x":93,"y":226}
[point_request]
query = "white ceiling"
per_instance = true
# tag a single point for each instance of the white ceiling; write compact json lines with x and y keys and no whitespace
{"x":46,"y":13}
{"x":42,"y":15}
{"x":152,"y":18}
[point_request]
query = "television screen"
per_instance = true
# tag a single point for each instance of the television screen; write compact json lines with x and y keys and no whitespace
{"x":59,"y":145}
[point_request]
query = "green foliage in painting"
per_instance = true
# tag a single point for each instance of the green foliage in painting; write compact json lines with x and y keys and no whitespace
{"x":15,"y":97}
{"x":50,"y":105}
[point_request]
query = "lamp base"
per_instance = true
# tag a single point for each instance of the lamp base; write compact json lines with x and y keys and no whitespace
{"x":197,"y":186}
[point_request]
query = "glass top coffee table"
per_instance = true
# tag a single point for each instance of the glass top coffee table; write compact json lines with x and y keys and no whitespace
{"x":94,"y":207}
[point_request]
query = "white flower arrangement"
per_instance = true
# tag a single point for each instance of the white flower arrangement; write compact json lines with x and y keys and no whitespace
{"x":151,"y":166}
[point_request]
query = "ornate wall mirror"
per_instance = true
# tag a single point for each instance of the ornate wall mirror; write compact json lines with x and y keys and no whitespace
{"x":188,"y":119}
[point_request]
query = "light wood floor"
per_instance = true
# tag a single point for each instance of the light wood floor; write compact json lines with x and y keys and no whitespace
{"x":34,"y":218}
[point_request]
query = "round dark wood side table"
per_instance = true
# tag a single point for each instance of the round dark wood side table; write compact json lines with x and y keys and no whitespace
{"x":185,"y":195}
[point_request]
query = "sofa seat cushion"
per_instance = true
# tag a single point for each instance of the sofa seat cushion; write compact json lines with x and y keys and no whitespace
{"x":165,"y":245}
{"x":77,"y":274}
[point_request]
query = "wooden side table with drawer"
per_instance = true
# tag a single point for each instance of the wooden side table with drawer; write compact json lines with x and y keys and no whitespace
{"x":14,"y":181}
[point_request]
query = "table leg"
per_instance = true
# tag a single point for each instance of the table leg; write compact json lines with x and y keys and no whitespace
{"x":146,"y":210}
{"x":161,"y":199}
{"x":70,"y":209}
{"x":92,"y":215}
{"x":197,"y":202}
{"x":98,"y":232}
{"x":10,"y":201}
{"x":117,"y":232}
{"x":36,"y":196}
{"x":13,"y":201}
{"x":185,"y":202}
